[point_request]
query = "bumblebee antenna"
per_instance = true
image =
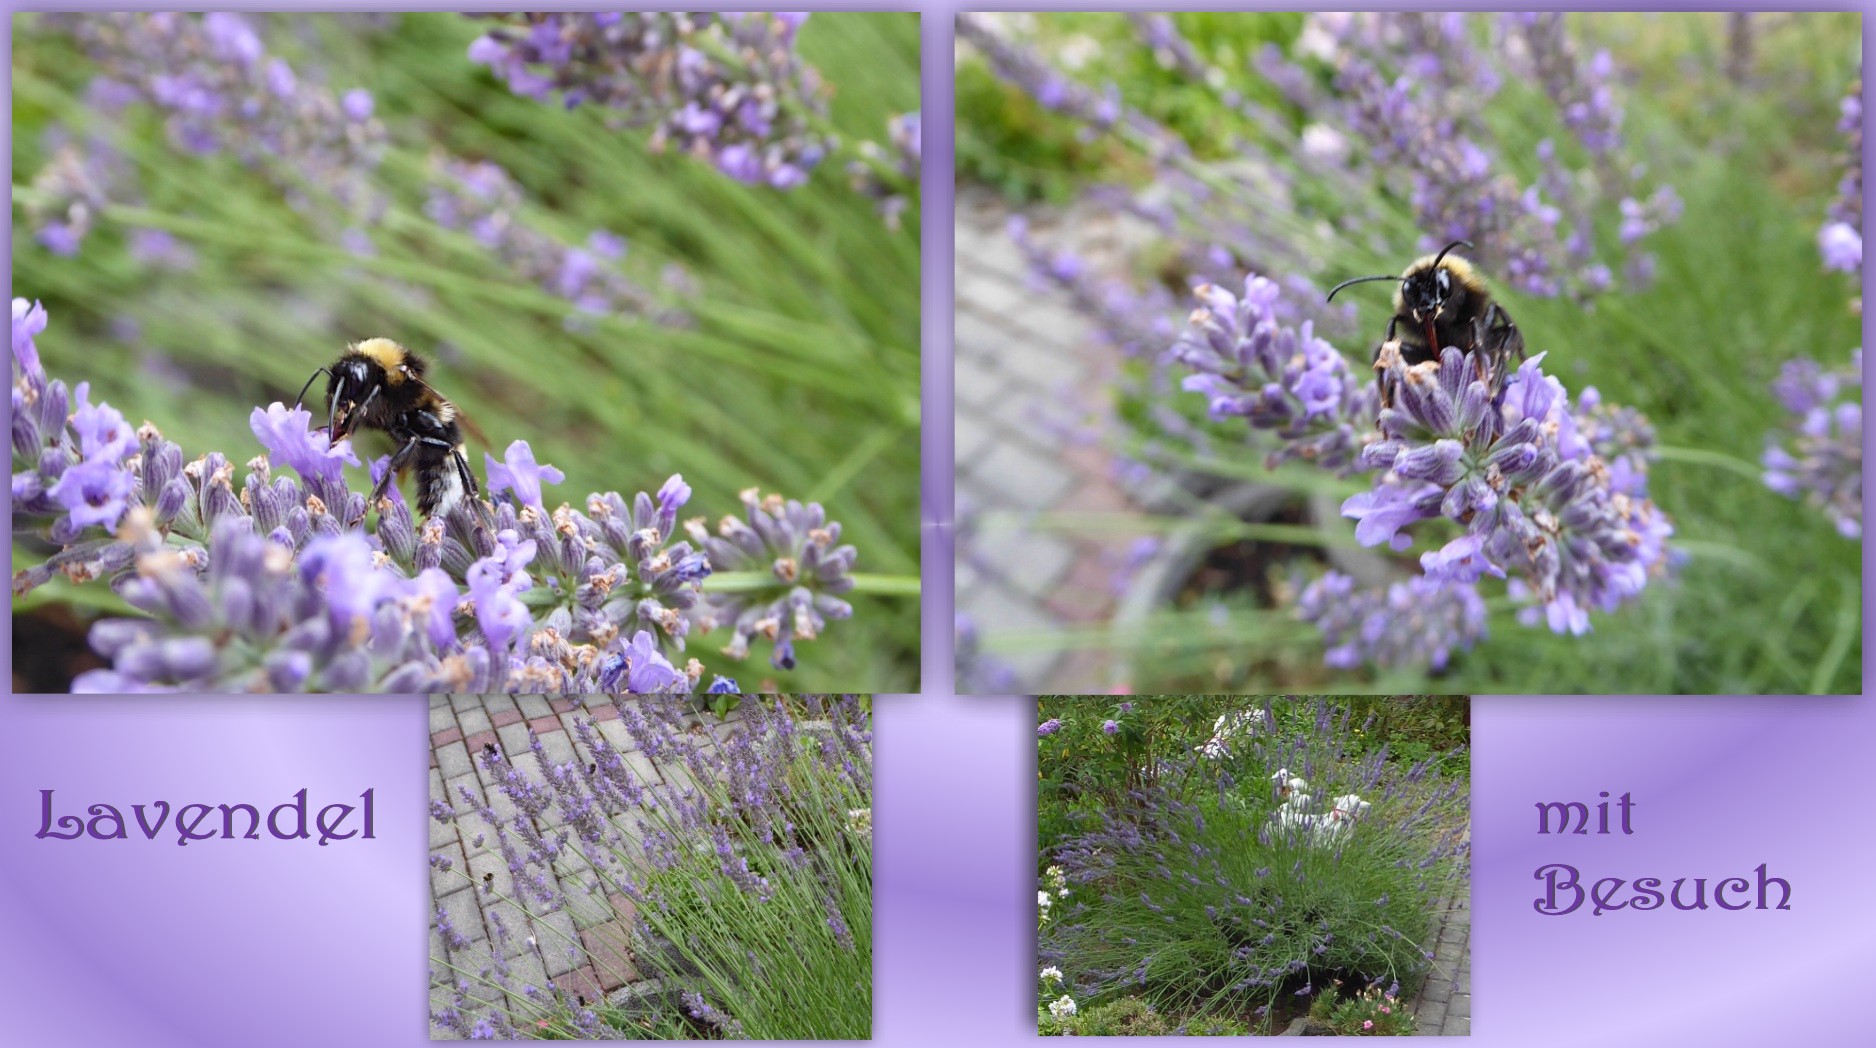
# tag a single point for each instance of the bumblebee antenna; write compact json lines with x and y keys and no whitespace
{"x":301,"y":399}
{"x":1467,"y":244}
{"x":1357,"y":280}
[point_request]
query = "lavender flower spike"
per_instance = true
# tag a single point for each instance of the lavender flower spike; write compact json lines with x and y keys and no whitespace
{"x":1821,"y":459}
{"x":1535,"y":497}
{"x":1420,"y":622}
{"x":1276,"y":377}
{"x":728,"y":88}
{"x":796,"y":546}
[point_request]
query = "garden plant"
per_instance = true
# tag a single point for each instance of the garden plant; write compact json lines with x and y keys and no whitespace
{"x":1209,"y":866}
{"x":637,"y":250}
{"x":1665,"y":492}
{"x":720,"y":869}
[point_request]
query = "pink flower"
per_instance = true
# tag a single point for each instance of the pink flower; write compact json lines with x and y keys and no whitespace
{"x":1367,"y":1024}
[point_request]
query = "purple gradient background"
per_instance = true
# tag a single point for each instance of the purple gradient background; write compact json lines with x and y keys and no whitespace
{"x":244,"y":943}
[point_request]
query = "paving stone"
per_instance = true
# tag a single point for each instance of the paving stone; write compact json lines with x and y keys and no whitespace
{"x":973,"y":438}
{"x":1430,"y":1016}
{"x":442,"y":997}
{"x":1460,"y":1027}
{"x":503,"y":718}
{"x":514,"y":740}
{"x":525,"y":970}
{"x":1459,"y":1006}
{"x":459,"y":702}
{"x":533,"y":706}
{"x":453,"y":760}
{"x":587,"y":908}
{"x":613,"y":731}
{"x":474,"y":721}
{"x":981,"y":389}
{"x":608,"y":946}
{"x":1437,"y":989}
{"x":507,"y":914}
{"x":998,"y":613}
{"x":1031,"y":562}
{"x":498,"y":704}
{"x":555,"y":932}
{"x":449,"y":880}
{"x":1015,"y":476}
{"x":467,"y":821}
{"x":581,"y":985}
{"x":441,"y":717}
{"x":464,"y":914}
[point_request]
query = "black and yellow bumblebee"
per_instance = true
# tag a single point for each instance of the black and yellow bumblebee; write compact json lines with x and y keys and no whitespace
{"x":1444,"y":301}
{"x":378,"y":384}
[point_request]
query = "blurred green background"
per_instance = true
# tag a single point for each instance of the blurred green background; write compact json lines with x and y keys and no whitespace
{"x":1770,"y":598}
{"x":798,"y":373}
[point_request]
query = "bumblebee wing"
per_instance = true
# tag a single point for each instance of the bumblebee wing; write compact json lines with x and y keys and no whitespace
{"x":459,"y":417}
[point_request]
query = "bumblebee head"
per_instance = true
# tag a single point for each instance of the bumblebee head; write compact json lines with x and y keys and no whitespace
{"x":1435,"y":285}
{"x":1430,"y":287}
{"x":349,"y":388}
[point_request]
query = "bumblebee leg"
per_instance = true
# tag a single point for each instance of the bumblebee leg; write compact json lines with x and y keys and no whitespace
{"x":1502,"y":338}
{"x":1380,"y":374}
{"x":473,"y":491}
{"x":398,"y":461}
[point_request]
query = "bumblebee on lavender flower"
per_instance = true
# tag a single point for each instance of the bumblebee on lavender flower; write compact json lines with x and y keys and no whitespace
{"x":1443,"y":301}
{"x":378,"y":384}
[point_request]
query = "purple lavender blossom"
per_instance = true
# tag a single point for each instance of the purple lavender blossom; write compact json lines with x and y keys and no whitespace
{"x":268,"y":583}
{"x":1553,"y":494}
{"x":1820,"y":459}
{"x":793,"y":552}
{"x":727,"y":88}
{"x":480,"y":199}
{"x":1535,"y":499}
{"x":887,"y":173}
{"x":1840,"y":240}
{"x":1277,"y":378}
{"x":219,"y":92}
{"x":1419,"y":622}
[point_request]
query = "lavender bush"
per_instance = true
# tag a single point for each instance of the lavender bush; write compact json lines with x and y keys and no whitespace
{"x":220,"y":92}
{"x":272,"y":583}
{"x":1260,"y":869}
{"x":1820,"y":457}
{"x":739,"y":855}
{"x":726,"y":87}
{"x":1840,"y":239}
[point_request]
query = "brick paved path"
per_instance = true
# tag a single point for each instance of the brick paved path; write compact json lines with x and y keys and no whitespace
{"x":1443,"y":1007}
{"x":1025,"y":361}
{"x":460,"y":726}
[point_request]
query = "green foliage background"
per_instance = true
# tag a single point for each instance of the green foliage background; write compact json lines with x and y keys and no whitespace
{"x":800,"y":375}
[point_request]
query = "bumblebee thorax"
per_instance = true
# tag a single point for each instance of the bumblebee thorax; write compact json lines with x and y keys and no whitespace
{"x":396,"y":361}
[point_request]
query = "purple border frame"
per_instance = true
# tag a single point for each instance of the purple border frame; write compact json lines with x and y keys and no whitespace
{"x":284,"y":943}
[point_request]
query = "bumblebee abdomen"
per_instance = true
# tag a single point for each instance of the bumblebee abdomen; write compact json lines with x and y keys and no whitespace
{"x":439,"y":484}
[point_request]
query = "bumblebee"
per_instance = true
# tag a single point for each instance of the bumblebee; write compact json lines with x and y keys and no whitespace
{"x":378,"y":384}
{"x":1443,"y":301}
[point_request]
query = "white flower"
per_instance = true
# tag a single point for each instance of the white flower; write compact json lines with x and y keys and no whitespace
{"x":1051,"y":974}
{"x":860,"y":820}
{"x":1043,"y":900}
{"x":1322,"y":142}
{"x":1062,"y":1007}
